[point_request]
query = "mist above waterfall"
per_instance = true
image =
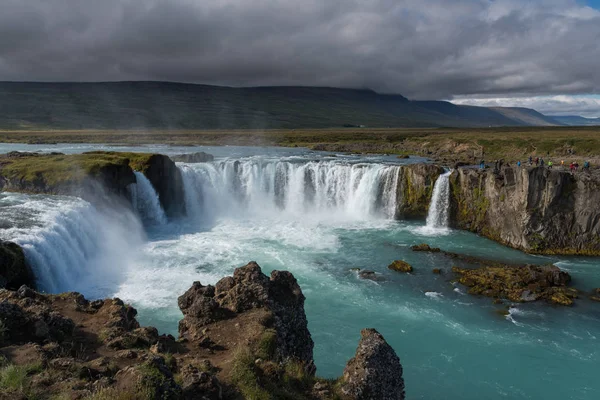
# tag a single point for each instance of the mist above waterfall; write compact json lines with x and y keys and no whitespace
{"x":72,"y":245}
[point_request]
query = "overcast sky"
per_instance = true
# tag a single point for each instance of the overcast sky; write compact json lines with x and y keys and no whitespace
{"x":539,"y":53}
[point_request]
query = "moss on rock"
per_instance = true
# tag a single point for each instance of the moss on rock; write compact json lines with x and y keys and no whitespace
{"x":400,"y":266}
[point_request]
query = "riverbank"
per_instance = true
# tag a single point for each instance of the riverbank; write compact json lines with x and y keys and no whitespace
{"x":445,"y":145}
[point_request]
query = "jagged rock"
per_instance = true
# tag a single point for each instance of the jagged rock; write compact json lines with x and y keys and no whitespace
{"x":416,"y":187}
{"x":200,"y":385}
{"x":14,"y":270}
{"x":374,"y":372}
{"x":400,"y":266}
{"x":519,"y":283}
{"x":190,"y":158}
{"x":28,"y":320}
{"x":250,"y":289}
{"x":425,"y":247}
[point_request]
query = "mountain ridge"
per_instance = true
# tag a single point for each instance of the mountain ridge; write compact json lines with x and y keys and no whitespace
{"x":171,"y":105}
{"x":577,"y":120}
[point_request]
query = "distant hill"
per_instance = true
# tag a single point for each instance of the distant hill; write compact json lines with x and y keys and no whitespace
{"x":576,"y":120}
{"x":128,"y":105}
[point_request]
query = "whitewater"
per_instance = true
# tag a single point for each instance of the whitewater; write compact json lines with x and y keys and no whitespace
{"x":318,"y":215}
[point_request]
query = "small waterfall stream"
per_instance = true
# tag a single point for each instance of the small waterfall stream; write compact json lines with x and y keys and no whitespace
{"x":440,"y":203}
{"x":145,"y":200}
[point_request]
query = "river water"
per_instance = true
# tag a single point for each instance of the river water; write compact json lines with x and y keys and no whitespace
{"x":319,"y":215}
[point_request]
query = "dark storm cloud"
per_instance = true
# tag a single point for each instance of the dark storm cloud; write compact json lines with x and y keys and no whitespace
{"x":420,"y":48}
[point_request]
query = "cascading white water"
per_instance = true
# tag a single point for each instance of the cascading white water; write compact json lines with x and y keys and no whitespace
{"x":357,"y":191}
{"x":145,"y":200}
{"x":71,"y":245}
{"x":440,"y":202}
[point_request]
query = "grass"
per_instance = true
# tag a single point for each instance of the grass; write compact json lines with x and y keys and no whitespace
{"x":56,"y":170}
{"x":114,"y":394}
{"x":468,"y":144}
{"x":244,"y":376}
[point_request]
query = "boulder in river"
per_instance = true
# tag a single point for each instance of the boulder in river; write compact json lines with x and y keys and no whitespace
{"x":425,"y":247}
{"x":400,"y":266}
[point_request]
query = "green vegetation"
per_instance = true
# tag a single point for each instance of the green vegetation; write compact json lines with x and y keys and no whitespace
{"x":114,"y":394}
{"x":452,"y":144}
{"x":244,"y":376}
{"x":57,"y":169}
{"x":15,"y":380}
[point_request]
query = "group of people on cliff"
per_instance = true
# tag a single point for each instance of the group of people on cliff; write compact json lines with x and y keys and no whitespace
{"x":540,"y":162}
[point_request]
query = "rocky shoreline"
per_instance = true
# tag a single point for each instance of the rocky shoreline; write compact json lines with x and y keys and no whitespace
{"x":244,"y":338}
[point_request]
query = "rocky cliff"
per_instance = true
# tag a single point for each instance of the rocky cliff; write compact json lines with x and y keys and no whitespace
{"x":244,"y":338}
{"x":415,"y":189}
{"x":94,"y":176}
{"x":14,"y":270}
{"x":536,"y":210}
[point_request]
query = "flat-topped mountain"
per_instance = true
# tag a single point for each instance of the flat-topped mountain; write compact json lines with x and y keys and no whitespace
{"x":161,"y":105}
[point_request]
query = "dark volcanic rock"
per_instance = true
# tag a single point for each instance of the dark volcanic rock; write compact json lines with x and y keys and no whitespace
{"x":200,"y":385}
{"x":166,"y":178}
{"x":250,"y":289}
{"x":14,"y":270}
{"x":415,"y":189}
{"x":374,"y":372}
{"x":190,"y":158}
{"x":538,"y":210}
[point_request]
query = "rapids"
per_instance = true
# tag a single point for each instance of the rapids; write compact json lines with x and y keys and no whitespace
{"x":319,"y":216}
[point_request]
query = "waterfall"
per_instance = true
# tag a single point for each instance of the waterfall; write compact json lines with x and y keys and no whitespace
{"x":71,"y":245}
{"x":145,"y":200}
{"x":300,"y":188}
{"x":440,"y":202}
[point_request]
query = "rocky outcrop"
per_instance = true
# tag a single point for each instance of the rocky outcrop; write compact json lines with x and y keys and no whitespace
{"x":14,"y":269}
{"x":400,"y":266}
{"x":191,"y":158}
{"x":91,"y":176}
{"x":415,"y":189}
{"x":250,"y":289}
{"x":519,"y":283}
{"x":374,"y":372}
{"x":98,"y":177}
{"x":536,"y":210}
{"x":246,"y":337}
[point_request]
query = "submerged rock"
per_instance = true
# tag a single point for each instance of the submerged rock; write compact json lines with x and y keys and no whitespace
{"x":400,"y":266}
{"x":369,"y":275}
{"x":425,"y":247}
{"x":519,"y":283}
{"x":190,"y":158}
{"x":374,"y":372}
